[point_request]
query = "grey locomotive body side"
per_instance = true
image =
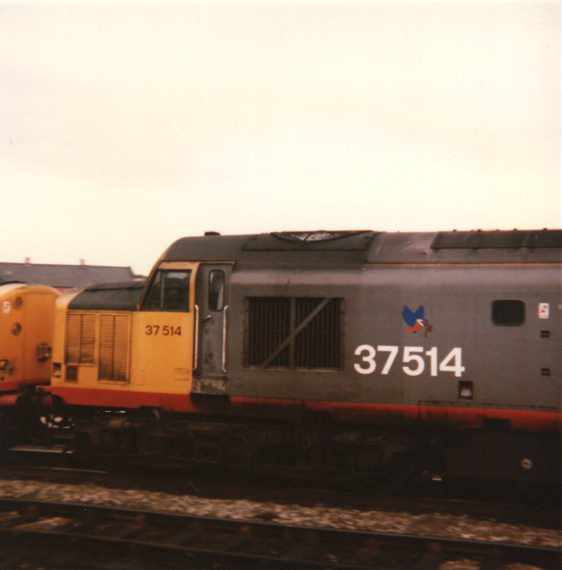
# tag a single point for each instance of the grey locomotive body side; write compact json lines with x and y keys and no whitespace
{"x":501,"y":366}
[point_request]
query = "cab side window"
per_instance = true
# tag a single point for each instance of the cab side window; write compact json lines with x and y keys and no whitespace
{"x":169,"y":291}
{"x":508,"y":313}
{"x":216,"y":290}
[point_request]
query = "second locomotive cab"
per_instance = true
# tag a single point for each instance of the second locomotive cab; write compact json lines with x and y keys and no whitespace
{"x":364,"y":346}
{"x":26,"y":330}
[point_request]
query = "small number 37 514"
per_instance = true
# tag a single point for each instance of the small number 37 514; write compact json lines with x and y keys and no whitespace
{"x":164,"y":330}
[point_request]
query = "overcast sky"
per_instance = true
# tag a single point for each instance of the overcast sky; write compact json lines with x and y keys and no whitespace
{"x":124,"y":127}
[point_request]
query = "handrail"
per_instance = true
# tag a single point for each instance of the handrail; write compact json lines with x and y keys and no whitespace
{"x":196,"y":344}
{"x":224,"y":338}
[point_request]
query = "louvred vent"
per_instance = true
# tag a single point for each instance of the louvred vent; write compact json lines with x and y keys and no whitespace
{"x":294,"y":332}
{"x":80,"y":339}
{"x":114,"y":347}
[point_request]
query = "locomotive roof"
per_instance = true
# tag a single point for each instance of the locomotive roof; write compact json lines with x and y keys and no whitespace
{"x":110,"y":296}
{"x":19,"y":289}
{"x":366,"y":246}
{"x":8,"y":287}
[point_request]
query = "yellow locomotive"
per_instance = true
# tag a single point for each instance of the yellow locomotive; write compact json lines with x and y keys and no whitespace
{"x":26,"y":333}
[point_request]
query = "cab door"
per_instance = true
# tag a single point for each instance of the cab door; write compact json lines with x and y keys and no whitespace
{"x":212,"y":314}
{"x":163,"y":331}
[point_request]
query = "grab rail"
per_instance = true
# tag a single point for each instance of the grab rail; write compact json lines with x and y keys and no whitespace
{"x":196,"y":347}
{"x":224,"y":338}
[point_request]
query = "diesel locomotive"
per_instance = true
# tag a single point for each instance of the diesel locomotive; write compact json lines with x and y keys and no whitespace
{"x":26,"y":337}
{"x":347,"y":350}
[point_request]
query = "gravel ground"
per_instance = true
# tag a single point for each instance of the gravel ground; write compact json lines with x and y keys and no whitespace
{"x":437,"y":524}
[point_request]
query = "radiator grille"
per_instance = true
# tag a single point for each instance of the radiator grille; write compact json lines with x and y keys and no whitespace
{"x":114,"y":347}
{"x":318,"y":344}
{"x":272,"y":320}
{"x":269,"y":319}
{"x":80,"y":339}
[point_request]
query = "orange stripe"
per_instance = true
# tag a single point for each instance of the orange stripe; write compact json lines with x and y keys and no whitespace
{"x":8,"y":400}
{"x":123,"y":399}
{"x":465,"y":416}
{"x":15,"y":385}
{"x":461,"y":416}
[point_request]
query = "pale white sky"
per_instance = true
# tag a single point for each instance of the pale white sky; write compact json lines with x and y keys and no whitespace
{"x":124,"y":127}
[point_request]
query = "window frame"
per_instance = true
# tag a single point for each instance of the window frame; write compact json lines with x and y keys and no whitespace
{"x":162,"y":271}
{"x":216,"y":307}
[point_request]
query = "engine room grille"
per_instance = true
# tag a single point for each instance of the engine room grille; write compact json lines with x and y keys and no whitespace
{"x":114,"y":347}
{"x":269,"y":319}
{"x":276,"y":336}
{"x":80,"y":339}
{"x":318,"y":344}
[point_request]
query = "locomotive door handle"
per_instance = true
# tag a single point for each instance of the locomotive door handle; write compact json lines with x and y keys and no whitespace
{"x":196,"y":340}
{"x":224,"y":319}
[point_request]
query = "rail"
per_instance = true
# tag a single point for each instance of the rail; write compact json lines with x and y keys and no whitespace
{"x":217,"y":542}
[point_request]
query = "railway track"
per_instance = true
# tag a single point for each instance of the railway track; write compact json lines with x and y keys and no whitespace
{"x":537,"y":511}
{"x":93,"y":537}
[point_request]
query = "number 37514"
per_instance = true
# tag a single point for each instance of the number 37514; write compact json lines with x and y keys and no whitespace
{"x":164,"y":330}
{"x":414,"y":360}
